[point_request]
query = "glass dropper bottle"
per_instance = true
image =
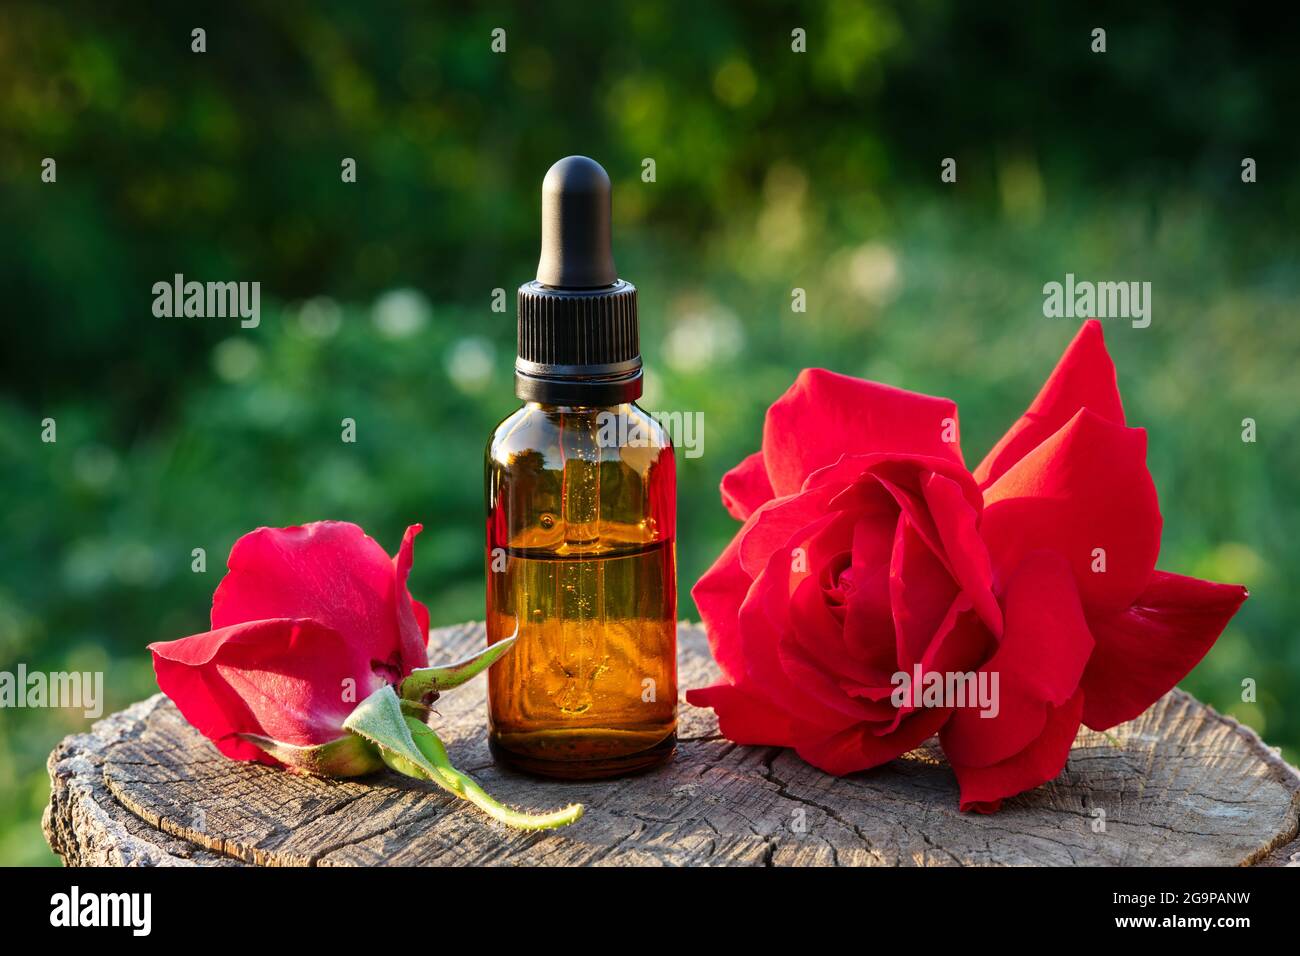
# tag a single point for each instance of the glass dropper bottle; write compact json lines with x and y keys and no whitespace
{"x":581,"y":515}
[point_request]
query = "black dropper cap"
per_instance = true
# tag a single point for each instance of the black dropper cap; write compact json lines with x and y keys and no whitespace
{"x":578,"y":340}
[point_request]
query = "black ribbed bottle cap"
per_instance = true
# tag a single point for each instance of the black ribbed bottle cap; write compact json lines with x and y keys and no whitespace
{"x":578,"y":340}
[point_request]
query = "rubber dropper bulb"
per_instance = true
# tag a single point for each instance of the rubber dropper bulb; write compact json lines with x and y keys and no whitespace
{"x":576,"y":248}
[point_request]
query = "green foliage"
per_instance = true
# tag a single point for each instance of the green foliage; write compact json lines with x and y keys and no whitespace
{"x":774,"y":170}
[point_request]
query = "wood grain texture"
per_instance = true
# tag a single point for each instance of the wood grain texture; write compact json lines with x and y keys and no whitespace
{"x":1181,"y":785}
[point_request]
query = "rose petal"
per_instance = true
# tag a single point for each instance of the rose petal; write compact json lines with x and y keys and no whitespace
{"x":1038,"y":664}
{"x":857,"y":748}
{"x":718,"y":595}
{"x":921,"y":591}
{"x":412,"y":616}
{"x":1146,"y":649}
{"x":898,"y":470}
{"x":1086,"y":487}
{"x":984,"y":788}
{"x":825,"y":415}
{"x":746,"y":487}
{"x":968,"y":558}
{"x":1083,"y":378}
{"x":868,"y":619}
{"x":960,"y":645}
{"x":295,"y":681}
{"x":744,"y":718}
{"x":773,"y":668}
{"x":776,"y":523}
{"x":810,"y":647}
{"x":331,"y":572}
{"x":834,"y":709}
{"x":819,"y":631}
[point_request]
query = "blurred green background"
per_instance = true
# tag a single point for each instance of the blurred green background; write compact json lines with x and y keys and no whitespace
{"x":775,"y":170}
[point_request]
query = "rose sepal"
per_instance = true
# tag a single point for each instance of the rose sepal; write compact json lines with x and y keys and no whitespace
{"x":346,"y":756}
{"x":426,"y":683}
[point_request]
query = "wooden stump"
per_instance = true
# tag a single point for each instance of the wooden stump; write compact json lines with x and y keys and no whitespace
{"x":1181,"y":785}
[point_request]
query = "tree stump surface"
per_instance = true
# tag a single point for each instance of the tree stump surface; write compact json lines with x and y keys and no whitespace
{"x":1180,"y":785}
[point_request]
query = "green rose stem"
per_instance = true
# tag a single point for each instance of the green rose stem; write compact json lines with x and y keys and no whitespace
{"x":386,"y":729}
{"x":466,"y":787}
{"x":409,"y":746}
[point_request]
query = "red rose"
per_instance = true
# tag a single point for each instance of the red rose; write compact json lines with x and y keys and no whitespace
{"x":308,"y":622}
{"x":868,"y":549}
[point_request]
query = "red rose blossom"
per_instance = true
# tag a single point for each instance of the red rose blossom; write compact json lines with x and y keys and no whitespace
{"x":317,"y":661}
{"x":307,"y":622}
{"x":869,"y":549}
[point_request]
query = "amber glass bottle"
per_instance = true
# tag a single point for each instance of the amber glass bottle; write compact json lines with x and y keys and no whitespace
{"x":581,"y":511}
